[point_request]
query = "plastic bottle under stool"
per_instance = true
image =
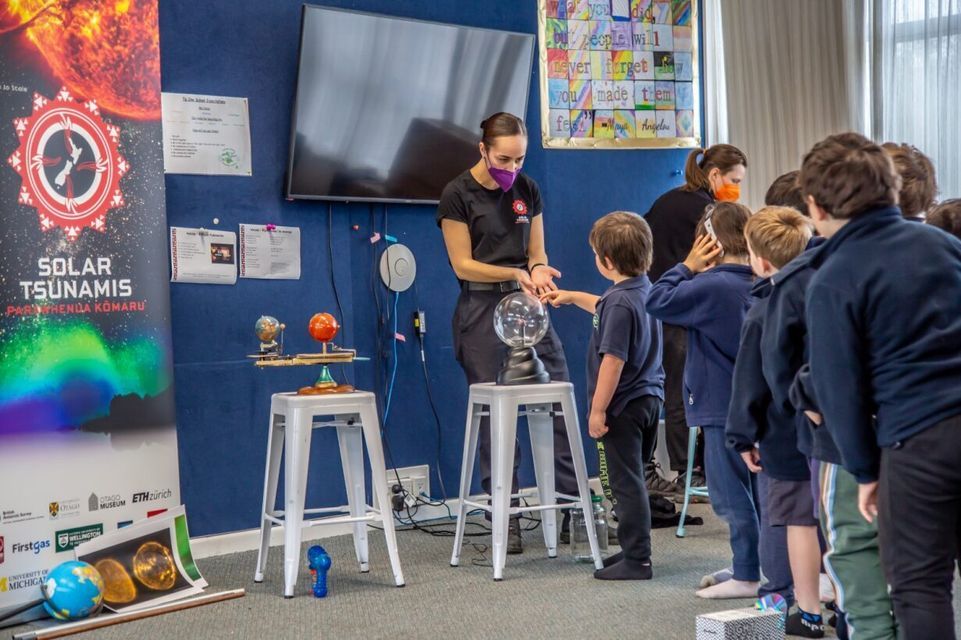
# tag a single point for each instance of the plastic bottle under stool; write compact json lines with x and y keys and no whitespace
{"x":580,"y":545}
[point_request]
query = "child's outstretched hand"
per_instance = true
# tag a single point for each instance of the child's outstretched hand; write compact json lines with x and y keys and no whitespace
{"x":703,"y":255}
{"x":557,"y":297}
{"x":752,"y":458}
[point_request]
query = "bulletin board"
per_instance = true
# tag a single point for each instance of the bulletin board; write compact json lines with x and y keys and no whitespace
{"x":619,"y":73}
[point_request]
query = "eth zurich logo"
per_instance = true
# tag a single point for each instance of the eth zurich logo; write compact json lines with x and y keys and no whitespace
{"x":69,"y":163}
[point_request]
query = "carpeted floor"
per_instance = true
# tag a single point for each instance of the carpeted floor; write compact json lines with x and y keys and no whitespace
{"x":538,"y":598}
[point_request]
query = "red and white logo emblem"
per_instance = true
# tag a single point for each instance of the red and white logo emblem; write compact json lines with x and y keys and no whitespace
{"x":69,"y":164}
{"x":520,"y":207}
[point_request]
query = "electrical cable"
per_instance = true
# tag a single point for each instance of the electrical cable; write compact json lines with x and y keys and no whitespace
{"x":333,"y":283}
{"x":422,"y":340}
{"x":393,"y":374}
{"x":381,"y":325}
{"x":433,"y":409}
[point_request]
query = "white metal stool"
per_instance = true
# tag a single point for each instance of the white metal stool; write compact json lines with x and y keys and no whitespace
{"x":291,"y":424}
{"x":504,"y":403}
{"x":689,"y":491}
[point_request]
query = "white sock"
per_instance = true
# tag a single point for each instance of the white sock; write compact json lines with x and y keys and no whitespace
{"x":730,"y":589}
{"x":826,"y":588}
{"x":719,"y":576}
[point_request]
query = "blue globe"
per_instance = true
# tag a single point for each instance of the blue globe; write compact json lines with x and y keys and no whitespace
{"x":73,"y":590}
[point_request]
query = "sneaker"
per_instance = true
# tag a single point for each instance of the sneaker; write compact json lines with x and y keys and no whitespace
{"x":698,"y":481}
{"x":840,"y":625}
{"x":804,"y":625}
{"x":515,"y":543}
{"x":657,"y":485}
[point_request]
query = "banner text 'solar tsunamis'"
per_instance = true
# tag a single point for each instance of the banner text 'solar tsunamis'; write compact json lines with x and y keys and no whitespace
{"x":63,"y":279}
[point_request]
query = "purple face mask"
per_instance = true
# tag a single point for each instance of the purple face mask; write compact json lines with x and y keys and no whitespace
{"x":504,"y":178}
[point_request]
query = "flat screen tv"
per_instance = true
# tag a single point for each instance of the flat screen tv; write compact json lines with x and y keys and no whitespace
{"x":389,"y":109}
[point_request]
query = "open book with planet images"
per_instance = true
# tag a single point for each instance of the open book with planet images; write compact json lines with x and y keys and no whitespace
{"x":145,"y":564}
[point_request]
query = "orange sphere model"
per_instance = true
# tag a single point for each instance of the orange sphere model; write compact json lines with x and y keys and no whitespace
{"x":323,"y":327}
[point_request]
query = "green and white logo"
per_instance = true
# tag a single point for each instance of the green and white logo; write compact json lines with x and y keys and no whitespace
{"x":229,"y":157}
{"x":597,"y":321}
{"x":70,"y":538}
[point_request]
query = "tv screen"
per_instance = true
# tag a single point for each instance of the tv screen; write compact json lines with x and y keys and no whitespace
{"x":389,"y":109}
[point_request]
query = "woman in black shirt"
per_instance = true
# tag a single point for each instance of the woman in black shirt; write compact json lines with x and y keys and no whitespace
{"x":491,"y":218}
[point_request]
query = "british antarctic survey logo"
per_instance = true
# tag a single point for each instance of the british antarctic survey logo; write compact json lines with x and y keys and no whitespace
{"x":69,"y":163}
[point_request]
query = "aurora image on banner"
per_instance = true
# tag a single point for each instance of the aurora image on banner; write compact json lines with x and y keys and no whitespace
{"x":86,"y":376}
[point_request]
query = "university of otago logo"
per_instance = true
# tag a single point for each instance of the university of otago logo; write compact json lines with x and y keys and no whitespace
{"x":69,"y":164}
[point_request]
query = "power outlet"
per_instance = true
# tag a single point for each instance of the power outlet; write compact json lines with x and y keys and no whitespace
{"x":415,"y":480}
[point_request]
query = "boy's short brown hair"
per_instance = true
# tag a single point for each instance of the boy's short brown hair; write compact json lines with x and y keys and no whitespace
{"x":625,"y":239}
{"x":785,"y":191}
{"x":778,"y":234}
{"x":947,"y":216}
{"x":847,"y":175}
{"x":728,"y":220}
{"x":918,"y":183}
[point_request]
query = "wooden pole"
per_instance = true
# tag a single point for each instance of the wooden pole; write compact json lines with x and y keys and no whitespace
{"x":61,"y":631}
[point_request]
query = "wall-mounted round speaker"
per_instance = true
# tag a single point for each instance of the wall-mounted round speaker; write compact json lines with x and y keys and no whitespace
{"x":398,"y":267}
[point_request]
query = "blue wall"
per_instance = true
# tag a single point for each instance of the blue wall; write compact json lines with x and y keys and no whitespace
{"x":249,"y":48}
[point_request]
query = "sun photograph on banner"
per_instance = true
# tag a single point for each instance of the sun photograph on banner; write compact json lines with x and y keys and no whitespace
{"x":619,"y":73}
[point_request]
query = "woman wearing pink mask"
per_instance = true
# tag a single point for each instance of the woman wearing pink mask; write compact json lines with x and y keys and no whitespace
{"x":491,"y":218}
{"x":712,"y":174}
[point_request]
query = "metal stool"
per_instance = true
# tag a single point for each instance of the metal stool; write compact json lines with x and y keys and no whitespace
{"x":504,"y":406}
{"x":689,"y":491}
{"x":291,"y":425}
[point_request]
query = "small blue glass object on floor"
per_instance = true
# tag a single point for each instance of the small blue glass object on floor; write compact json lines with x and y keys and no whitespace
{"x":319,"y":563}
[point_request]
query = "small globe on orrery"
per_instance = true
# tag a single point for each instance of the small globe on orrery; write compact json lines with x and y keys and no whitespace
{"x":520,"y":320}
{"x":72,"y":590}
{"x":267,"y":328}
{"x":323,"y":327}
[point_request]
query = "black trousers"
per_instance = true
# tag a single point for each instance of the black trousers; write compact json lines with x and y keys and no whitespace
{"x":919,"y":504}
{"x":675,"y":421}
{"x":481,"y":354}
{"x":629,"y":443}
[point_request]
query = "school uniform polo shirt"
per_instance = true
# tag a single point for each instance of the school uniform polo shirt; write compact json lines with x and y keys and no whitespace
{"x":623,"y":329}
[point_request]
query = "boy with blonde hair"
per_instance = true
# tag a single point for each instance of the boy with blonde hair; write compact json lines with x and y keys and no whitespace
{"x":763,"y":432}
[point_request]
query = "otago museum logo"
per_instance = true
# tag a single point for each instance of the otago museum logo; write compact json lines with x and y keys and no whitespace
{"x":69,"y":163}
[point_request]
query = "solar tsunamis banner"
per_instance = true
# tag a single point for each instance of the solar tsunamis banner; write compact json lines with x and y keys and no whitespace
{"x":87,"y":433}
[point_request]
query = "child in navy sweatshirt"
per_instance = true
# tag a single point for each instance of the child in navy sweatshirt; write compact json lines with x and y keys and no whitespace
{"x":764,"y":433}
{"x":884,"y":313}
{"x":852,"y":556}
{"x":709,"y":294}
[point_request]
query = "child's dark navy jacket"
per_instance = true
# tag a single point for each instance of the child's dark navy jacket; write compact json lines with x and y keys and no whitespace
{"x":712,"y":306}
{"x":784,"y":351}
{"x":623,"y":329}
{"x":753,"y":416}
{"x":884,"y":314}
